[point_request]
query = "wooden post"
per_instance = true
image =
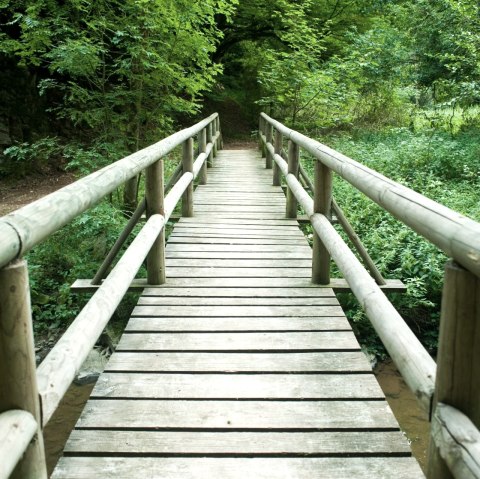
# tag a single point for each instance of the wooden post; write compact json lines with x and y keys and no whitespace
{"x":220,"y":137}
{"x":187,"y":161}
{"x":209,"y":140}
{"x":458,"y":359}
{"x":202,"y":146}
{"x":269,"y":136}
{"x":322,"y":204}
{"x":277,"y":176}
{"x":154,"y":195}
{"x":261,"y":146}
{"x":214,"y":132}
{"x":18,"y":374}
{"x":293,"y":165}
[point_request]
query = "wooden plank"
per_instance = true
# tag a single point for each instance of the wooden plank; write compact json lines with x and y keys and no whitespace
{"x":235,"y":241}
{"x":239,"y":292}
{"x":232,"y":386}
{"x":241,"y":282}
{"x":244,"y":415}
{"x":254,"y":341}
{"x":288,"y":248}
{"x":287,"y":263}
{"x":255,"y":301}
{"x":238,"y":232}
{"x":238,"y":311}
{"x":238,"y":468}
{"x":85,"y":286}
{"x":233,"y":443}
{"x":207,"y":272}
{"x":233,"y":324}
{"x":231,"y":201}
{"x":240,"y":215}
{"x":227,"y":255}
{"x":253,"y":221}
{"x":240,"y":208}
{"x":228,"y":226}
{"x":308,"y":362}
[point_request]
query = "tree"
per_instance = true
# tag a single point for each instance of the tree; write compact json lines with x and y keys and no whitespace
{"x":119,"y":72}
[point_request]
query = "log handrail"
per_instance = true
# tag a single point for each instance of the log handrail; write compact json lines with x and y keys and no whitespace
{"x":397,"y":337}
{"x":28,"y":226}
{"x":449,"y":392}
{"x":21,"y":230}
{"x":452,"y":232}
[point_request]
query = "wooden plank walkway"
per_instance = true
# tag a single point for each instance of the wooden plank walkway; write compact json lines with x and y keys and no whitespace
{"x":238,"y":367}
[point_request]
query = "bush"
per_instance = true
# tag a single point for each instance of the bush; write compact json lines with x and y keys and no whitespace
{"x":24,"y":158}
{"x":441,"y":167}
{"x":76,"y":251}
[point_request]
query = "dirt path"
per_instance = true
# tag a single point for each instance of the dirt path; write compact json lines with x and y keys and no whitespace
{"x":17,"y":193}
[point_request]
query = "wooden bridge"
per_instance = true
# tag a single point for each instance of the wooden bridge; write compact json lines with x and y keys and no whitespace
{"x":238,"y":361}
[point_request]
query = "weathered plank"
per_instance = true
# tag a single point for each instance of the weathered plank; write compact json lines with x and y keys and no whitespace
{"x":237,"y":311}
{"x":233,"y":240}
{"x":215,"y":233}
{"x":201,"y":284}
{"x":181,"y":226}
{"x":220,"y":292}
{"x":238,"y":468}
{"x":306,"y":362}
{"x":244,"y":415}
{"x":294,"y":341}
{"x":234,"y":443}
{"x":209,"y":272}
{"x":284,"y":263}
{"x":299,"y":248}
{"x":234,"y":324}
{"x":255,"y":301}
{"x":226,"y":255}
{"x":232,"y":386}
{"x":253,"y":221}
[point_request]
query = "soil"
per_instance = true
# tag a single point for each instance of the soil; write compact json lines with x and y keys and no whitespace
{"x":15,"y":193}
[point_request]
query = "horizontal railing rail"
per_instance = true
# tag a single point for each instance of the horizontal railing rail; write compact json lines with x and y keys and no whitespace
{"x":449,"y":390}
{"x":452,"y":232}
{"x":21,"y":230}
{"x":37,"y":392}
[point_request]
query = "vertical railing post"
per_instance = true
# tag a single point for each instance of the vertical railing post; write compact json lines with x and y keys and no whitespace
{"x":269,"y":137}
{"x":261,"y":132}
{"x":214,"y":132}
{"x":209,"y":140}
{"x":322,"y":204}
{"x":202,"y":146}
{"x":220,"y":137}
{"x":458,"y":359}
{"x":18,"y":374}
{"x":293,"y":168}
{"x":187,"y":163}
{"x":154,"y":195}
{"x":277,"y":177}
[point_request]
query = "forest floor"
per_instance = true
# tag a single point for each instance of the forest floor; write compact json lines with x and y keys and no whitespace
{"x":15,"y":193}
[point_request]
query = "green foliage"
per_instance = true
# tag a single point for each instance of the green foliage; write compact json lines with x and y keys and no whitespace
{"x":24,"y":158}
{"x":443,"y":168}
{"x":76,"y":251}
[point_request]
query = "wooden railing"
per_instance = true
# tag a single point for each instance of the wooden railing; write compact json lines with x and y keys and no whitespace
{"x":29,"y":396}
{"x":450,"y":390}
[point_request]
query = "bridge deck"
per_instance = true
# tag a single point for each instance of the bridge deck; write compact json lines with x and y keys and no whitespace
{"x":238,"y":367}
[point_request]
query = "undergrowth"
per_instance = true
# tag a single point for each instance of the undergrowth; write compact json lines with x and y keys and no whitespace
{"x":441,"y":166}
